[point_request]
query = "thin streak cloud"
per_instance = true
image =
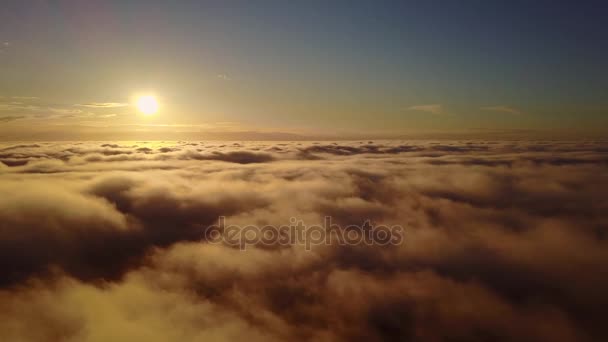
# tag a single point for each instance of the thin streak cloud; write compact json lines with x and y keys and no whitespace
{"x":429,"y":108}
{"x":103,"y":104}
{"x":503,"y":109}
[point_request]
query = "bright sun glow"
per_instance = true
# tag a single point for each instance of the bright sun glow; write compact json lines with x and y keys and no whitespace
{"x":147,"y":105}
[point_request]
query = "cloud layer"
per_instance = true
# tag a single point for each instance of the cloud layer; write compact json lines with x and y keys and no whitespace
{"x":106,"y":241}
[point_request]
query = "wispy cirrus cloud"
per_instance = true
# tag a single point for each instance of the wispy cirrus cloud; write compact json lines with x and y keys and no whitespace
{"x":429,"y":108}
{"x":6,"y":98}
{"x":11,"y":118}
{"x":35,"y":107}
{"x":25,"y":97}
{"x":19,"y":107}
{"x":503,"y":109}
{"x":103,"y":104}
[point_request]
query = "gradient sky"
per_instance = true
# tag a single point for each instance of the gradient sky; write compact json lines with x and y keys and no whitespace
{"x":308,"y":67}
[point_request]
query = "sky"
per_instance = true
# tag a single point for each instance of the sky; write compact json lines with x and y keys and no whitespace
{"x":74,"y":69}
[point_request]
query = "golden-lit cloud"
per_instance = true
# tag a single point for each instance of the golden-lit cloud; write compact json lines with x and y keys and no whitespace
{"x":116,"y":230}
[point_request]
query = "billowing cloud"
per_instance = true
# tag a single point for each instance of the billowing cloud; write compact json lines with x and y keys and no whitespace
{"x":502,"y":241}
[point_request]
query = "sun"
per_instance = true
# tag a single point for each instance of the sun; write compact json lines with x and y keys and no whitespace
{"x":148,"y":104}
